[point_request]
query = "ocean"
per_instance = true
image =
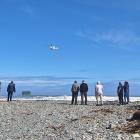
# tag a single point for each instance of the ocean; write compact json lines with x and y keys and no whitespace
{"x":52,"y":86}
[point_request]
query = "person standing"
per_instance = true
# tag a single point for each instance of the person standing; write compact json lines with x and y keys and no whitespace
{"x":120,"y":93}
{"x":99,"y":92}
{"x":126,"y":92}
{"x":74,"y":90}
{"x":83,"y":91}
{"x":10,"y":90}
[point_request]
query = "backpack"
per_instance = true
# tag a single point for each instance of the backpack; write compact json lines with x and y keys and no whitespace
{"x":75,"y":88}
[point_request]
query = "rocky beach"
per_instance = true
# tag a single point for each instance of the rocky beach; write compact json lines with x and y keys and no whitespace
{"x":58,"y":120}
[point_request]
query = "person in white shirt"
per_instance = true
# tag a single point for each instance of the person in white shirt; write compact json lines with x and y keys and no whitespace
{"x":99,"y":92}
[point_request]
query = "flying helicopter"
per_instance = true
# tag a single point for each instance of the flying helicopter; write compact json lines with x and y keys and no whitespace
{"x":53,"y":47}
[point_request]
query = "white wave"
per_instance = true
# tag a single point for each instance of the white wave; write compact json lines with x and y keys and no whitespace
{"x":67,"y":98}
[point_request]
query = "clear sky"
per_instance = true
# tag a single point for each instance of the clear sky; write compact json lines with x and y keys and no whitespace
{"x":98,"y":39}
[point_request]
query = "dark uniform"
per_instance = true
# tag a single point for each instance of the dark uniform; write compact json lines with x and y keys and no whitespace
{"x":83,"y":91}
{"x":10,"y":90}
{"x":120,"y":93}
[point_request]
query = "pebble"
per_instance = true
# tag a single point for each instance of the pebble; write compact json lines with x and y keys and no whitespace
{"x":57,"y":120}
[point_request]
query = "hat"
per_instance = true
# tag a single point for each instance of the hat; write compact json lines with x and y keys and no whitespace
{"x":83,"y":81}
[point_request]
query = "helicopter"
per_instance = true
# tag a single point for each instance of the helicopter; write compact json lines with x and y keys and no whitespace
{"x":53,"y":47}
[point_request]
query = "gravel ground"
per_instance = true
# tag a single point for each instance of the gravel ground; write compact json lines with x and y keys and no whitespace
{"x":58,"y":120}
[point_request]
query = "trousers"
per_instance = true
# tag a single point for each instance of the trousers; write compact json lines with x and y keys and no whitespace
{"x":83,"y":95}
{"x":74,"y":97}
{"x":10,"y":94}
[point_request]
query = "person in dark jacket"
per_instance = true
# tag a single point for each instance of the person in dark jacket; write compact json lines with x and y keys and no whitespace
{"x":83,"y":91}
{"x":126,"y":92}
{"x":120,"y":93}
{"x":10,"y":90}
{"x":74,"y":90}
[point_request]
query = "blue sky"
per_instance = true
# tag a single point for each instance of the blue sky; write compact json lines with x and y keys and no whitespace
{"x":98,"y":39}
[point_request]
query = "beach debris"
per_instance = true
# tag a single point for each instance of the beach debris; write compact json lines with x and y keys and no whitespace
{"x":136,"y":135}
{"x":109,"y":126}
{"x":129,"y":118}
{"x":131,"y":128}
{"x":103,"y":110}
{"x":87,"y":117}
{"x":136,"y":116}
{"x":74,"y":119}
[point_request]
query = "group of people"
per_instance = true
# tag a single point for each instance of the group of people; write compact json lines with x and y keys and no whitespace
{"x":83,"y":91}
{"x":123,"y":93}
